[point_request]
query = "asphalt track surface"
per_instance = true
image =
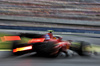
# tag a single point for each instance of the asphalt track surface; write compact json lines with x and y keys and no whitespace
{"x":32,"y":60}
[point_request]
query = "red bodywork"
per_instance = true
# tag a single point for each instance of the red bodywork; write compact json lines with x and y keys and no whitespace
{"x":36,"y":40}
{"x":64,"y":45}
{"x":60,"y":44}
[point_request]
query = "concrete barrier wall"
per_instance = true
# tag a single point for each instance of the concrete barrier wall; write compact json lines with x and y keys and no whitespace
{"x":51,"y":20}
{"x":46,"y":28}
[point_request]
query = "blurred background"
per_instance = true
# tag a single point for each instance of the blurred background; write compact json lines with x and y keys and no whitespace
{"x":75,"y":14}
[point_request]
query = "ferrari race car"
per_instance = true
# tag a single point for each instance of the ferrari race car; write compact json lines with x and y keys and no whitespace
{"x":47,"y":46}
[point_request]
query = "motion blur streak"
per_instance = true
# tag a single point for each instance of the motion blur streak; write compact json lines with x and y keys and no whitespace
{"x":36,"y":40}
{"x":10,"y":38}
{"x":23,"y":48}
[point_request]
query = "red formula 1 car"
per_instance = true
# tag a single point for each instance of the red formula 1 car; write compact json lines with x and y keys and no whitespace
{"x":46,"y":45}
{"x":43,"y":45}
{"x":49,"y":45}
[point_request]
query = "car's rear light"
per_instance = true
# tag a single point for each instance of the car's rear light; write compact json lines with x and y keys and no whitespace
{"x":22,"y":48}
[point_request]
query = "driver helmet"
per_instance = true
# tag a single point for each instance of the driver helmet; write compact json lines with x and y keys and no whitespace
{"x":50,"y":31}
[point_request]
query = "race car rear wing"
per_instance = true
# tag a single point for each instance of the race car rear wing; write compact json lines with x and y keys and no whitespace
{"x":9,"y":38}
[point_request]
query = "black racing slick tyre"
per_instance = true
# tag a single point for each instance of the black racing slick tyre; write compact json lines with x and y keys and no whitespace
{"x":85,"y":49}
{"x":46,"y":49}
{"x":14,"y":46}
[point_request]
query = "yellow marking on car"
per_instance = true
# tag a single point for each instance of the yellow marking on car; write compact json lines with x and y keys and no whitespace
{"x":76,"y":43}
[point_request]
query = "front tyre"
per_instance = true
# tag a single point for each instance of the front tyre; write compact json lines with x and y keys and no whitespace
{"x":85,"y":49}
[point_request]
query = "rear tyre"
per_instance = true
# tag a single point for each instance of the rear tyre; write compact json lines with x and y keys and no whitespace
{"x":46,"y":49}
{"x":14,"y":46}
